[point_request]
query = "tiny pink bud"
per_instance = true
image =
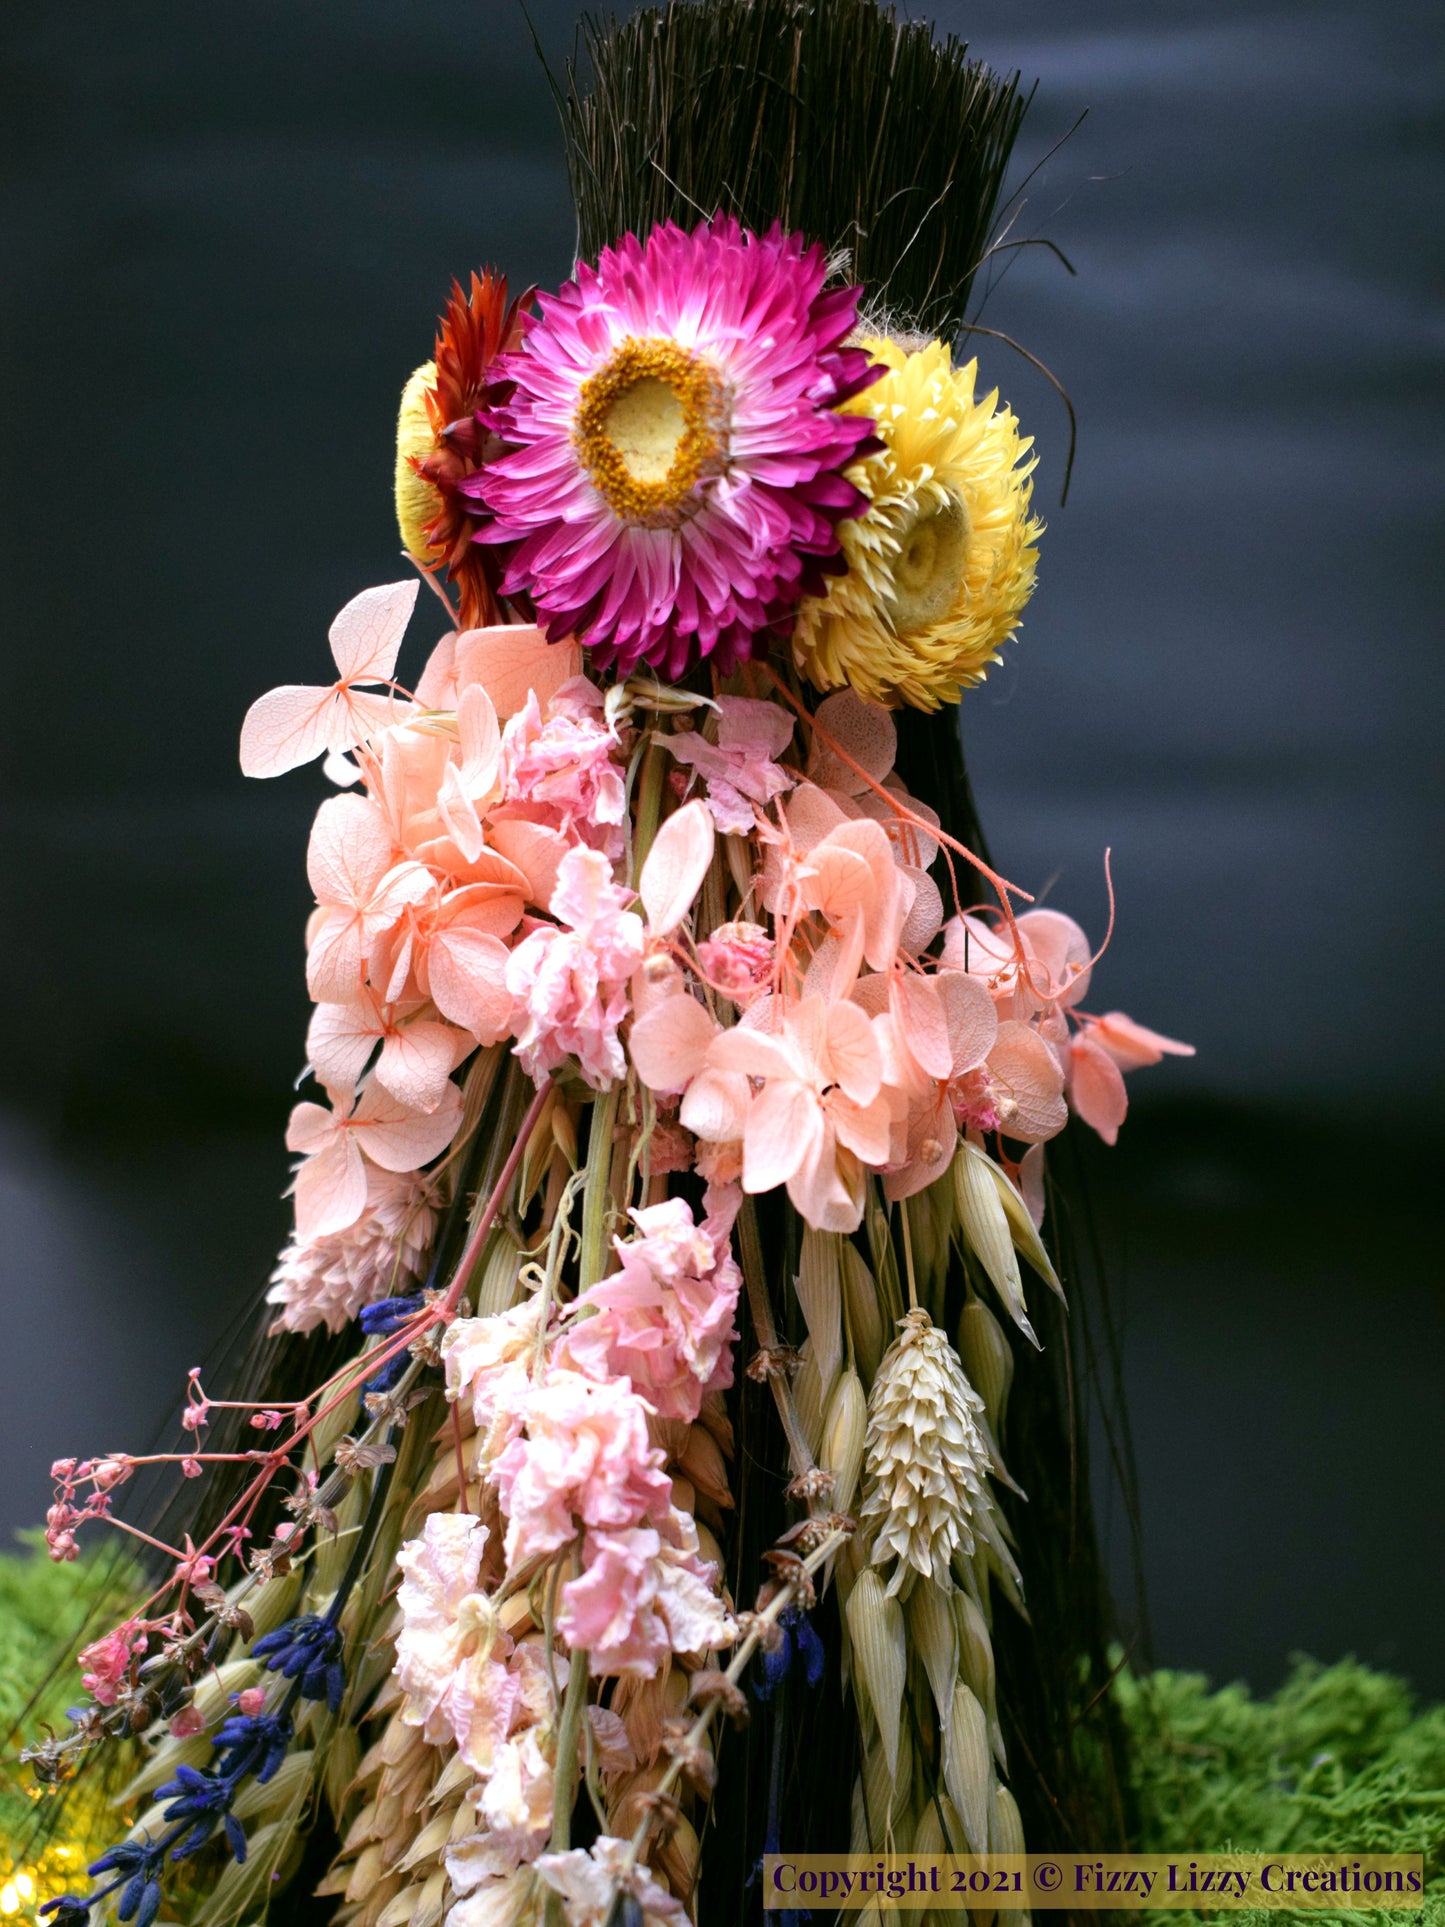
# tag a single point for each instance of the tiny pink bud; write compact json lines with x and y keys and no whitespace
{"x":191,"y":1468}
{"x":251,"y":1701}
{"x":62,"y":1468}
{"x":187,"y":1723}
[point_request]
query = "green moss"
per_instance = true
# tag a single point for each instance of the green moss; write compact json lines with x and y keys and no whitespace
{"x":1339,"y":1760}
{"x":43,"y":1610}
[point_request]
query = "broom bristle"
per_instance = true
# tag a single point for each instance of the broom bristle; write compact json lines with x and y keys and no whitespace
{"x":851,"y":126}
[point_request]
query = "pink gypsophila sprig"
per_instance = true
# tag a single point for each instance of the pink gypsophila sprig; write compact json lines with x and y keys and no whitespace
{"x":676,"y":473}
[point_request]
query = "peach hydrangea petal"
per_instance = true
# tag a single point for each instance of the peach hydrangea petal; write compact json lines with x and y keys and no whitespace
{"x":1025,"y":1073}
{"x":668,"y":1043}
{"x":514,"y":661}
{"x":1131,"y":1045}
{"x":292,"y":725}
{"x":400,"y":1139}
{"x":1096,"y":1088}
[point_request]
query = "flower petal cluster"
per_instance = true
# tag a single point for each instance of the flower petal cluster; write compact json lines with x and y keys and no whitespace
{"x":644,"y":1594}
{"x":582,"y":1457}
{"x":674,"y":484}
{"x":665,"y":1321}
{"x":739,"y":770}
{"x":590,"y":1882}
{"x":499,"y":787}
{"x":942,"y":562}
{"x":569,"y":984}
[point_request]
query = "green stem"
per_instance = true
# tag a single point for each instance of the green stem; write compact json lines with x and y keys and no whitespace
{"x":569,"y":1746}
{"x":750,"y":1250}
{"x":597,"y":1196}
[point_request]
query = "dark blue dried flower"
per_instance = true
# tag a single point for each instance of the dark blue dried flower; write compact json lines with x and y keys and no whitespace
{"x":801,"y":1642}
{"x":252,"y":1743}
{"x":388,"y":1315}
{"x":68,"y":1907}
{"x":205,"y":1798}
{"x":387,"y":1375}
{"x":131,"y":1856}
{"x":307,"y":1650}
{"x":141,"y":1901}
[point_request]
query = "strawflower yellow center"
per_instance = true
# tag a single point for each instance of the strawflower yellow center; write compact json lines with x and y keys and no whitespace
{"x":650,"y":425}
{"x":929,"y":568}
{"x":417,"y":502}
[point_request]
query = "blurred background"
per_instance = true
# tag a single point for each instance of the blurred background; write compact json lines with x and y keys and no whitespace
{"x":226,"y":234}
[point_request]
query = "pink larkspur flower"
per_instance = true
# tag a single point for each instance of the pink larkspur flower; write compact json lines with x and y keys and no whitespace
{"x":450,"y":1657}
{"x":738,"y":770}
{"x":583,"y":1456}
{"x":643,"y":1595}
{"x":676,"y":473}
{"x":665,"y":1320}
{"x":562,"y":770}
{"x":589,"y":1883}
{"x":570,"y":985}
{"x":488,"y":1366}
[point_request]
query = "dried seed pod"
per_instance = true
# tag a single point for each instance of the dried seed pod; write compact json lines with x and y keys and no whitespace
{"x":1024,"y":1231}
{"x":810,"y":1396}
{"x":845,"y":1430}
{"x":1006,"y":1830}
{"x":819,"y":1287}
{"x":864,"y":1313}
{"x":987,"y":1358}
{"x":496,"y":1282}
{"x":938,"y":1830}
{"x":976,"y":1664}
{"x":967,"y":1768}
{"x":889,"y":1796}
{"x":986,"y":1231}
{"x":935,"y":1640}
{"x":880,"y":1658}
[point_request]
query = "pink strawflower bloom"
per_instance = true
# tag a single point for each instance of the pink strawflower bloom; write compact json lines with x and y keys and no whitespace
{"x":105,"y":1663}
{"x":643,"y":1595}
{"x":583,"y":1457}
{"x":570,"y":985}
{"x":328,"y":1280}
{"x":665,"y":1320}
{"x":563,"y":772}
{"x":676,"y":474}
{"x":738,"y":771}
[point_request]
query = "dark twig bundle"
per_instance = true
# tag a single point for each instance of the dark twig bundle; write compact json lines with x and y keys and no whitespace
{"x":849,"y":125}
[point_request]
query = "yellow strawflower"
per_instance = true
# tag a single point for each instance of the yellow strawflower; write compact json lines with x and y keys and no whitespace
{"x":942,"y":562}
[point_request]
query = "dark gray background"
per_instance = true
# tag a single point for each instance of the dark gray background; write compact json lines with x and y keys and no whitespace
{"x":226,"y":233}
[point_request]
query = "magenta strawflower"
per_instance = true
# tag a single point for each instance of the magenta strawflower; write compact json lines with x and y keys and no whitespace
{"x":675,"y":480}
